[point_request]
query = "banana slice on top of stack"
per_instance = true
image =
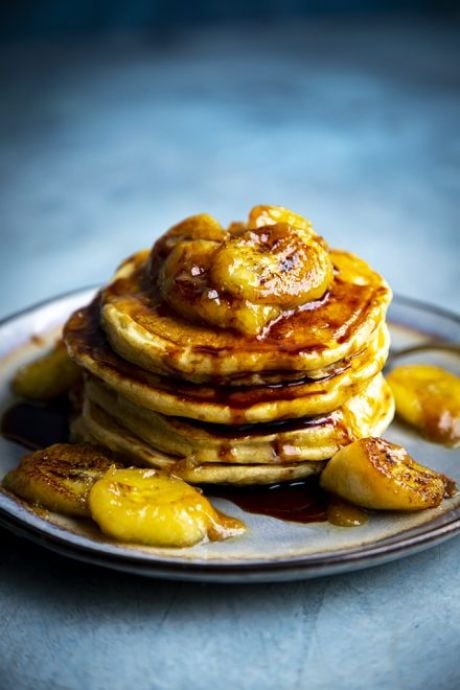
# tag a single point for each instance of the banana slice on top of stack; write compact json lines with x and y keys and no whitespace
{"x":244,"y":355}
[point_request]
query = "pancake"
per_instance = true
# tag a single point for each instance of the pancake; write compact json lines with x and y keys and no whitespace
{"x":309,"y":438}
{"x":89,"y":347}
{"x":96,"y":426}
{"x":143,"y":330}
{"x":245,"y":356}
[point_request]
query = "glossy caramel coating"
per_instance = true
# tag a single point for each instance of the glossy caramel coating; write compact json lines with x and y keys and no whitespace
{"x":225,"y":404}
{"x":143,"y":329}
{"x":199,"y":227}
{"x":277,"y":265}
{"x":266,"y":214}
{"x":265,"y":296}
{"x":60,"y":477}
{"x":144,"y":506}
{"x":374,"y":473}
{"x":242,"y":278}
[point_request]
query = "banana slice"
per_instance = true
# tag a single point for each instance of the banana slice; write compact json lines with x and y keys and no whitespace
{"x":202,"y":226}
{"x":265,"y":214}
{"x":245,"y":277}
{"x":374,"y":473}
{"x":59,"y":477}
{"x":147,"y":507}
{"x":199,"y":227}
{"x":277,"y":265}
{"x":183,"y":279}
{"x":428,"y":397}
{"x":48,"y":376}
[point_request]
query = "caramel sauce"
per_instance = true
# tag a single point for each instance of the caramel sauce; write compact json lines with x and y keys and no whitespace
{"x":263,"y":428}
{"x":318,"y":325}
{"x":35,"y":425}
{"x":303,"y":501}
{"x":86,"y":337}
{"x":201,"y":277}
{"x":344,"y":514}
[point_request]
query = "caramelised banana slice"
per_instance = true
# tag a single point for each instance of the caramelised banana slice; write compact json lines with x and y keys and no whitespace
{"x":60,"y":477}
{"x":245,"y":277}
{"x":265,"y":214}
{"x":185,"y":286}
{"x":428,"y":397}
{"x":278,"y":265}
{"x":47,"y":377}
{"x":183,"y":280}
{"x":145,"y":506}
{"x":192,"y":229}
{"x":374,"y":473}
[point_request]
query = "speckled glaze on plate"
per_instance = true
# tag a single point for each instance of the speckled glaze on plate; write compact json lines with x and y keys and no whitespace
{"x":271,"y":550}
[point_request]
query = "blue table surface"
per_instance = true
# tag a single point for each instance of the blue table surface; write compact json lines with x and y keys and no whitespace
{"x":104,"y":144}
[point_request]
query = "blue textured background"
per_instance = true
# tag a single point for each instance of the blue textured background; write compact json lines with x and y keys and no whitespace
{"x":28,"y":18}
{"x":354,"y":123}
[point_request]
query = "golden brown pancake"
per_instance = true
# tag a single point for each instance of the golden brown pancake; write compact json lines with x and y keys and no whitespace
{"x":221,"y":404}
{"x":145,"y":331}
{"x":96,"y":426}
{"x":308,"y":438}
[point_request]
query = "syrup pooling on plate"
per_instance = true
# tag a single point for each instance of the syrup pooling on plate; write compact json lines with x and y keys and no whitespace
{"x":275,"y":554}
{"x":302,"y":502}
{"x":34,"y":425}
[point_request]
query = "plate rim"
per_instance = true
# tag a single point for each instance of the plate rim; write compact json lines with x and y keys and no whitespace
{"x":300,"y":567}
{"x":46,"y":302}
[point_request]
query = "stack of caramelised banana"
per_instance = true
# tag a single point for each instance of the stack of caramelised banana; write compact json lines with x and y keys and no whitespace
{"x":243,"y":355}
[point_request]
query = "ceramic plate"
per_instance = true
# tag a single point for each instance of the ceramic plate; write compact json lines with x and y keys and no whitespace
{"x":271,"y":550}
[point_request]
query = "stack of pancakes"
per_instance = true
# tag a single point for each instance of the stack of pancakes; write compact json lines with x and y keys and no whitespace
{"x":248,"y":355}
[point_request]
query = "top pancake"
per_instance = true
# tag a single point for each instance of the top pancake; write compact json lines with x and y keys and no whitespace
{"x":146,"y":332}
